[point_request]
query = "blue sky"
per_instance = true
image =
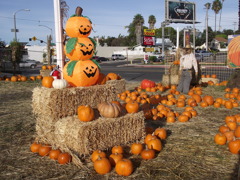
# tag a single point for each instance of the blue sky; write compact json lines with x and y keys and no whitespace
{"x":108,"y":17}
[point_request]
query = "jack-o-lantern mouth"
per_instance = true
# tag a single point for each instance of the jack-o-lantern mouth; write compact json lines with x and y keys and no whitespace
{"x":90,"y":73}
{"x":84,"y":32}
{"x":87,"y":52}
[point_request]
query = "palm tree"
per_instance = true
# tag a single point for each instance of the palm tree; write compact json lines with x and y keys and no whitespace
{"x":151,"y":21}
{"x":220,"y":16}
{"x":138,"y":22}
{"x":216,"y":7}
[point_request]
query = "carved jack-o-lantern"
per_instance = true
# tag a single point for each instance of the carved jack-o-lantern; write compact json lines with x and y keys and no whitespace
{"x":81,"y":73}
{"x":78,"y":25}
{"x":79,"y":48}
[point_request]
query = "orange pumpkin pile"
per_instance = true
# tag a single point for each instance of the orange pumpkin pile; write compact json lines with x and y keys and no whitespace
{"x":54,"y":154}
{"x":229,"y":133}
{"x":20,"y":78}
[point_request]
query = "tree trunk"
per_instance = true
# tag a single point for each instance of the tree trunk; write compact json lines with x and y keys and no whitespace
{"x":234,"y":80}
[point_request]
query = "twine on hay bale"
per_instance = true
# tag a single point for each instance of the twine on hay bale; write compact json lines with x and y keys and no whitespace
{"x":59,"y":103}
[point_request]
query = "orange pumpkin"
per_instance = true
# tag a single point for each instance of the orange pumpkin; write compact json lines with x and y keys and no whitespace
{"x":220,"y":139}
{"x":136,"y":148}
{"x":79,"y":49}
{"x":84,"y":73}
{"x":47,"y":81}
{"x":78,"y":26}
{"x":208,"y":99}
{"x":132,"y":107}
{"x":124,"y":167}
{"x":112,"y":76}
{"x":234,"y":146}
{"x":85,"y":113}
{"x":102,"y":79}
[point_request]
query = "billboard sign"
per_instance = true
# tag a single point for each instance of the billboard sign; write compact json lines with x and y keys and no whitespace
{"x":148,"y":41}
{"x":180,"y":11}
{"x":233,"y":56}
{"x":148,"y":49}
{"x":149,"y":32}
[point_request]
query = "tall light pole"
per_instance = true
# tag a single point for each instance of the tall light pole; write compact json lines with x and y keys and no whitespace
{"x":14,"y":18}
{"x":207,"y":5}
{"x":48,"y":28}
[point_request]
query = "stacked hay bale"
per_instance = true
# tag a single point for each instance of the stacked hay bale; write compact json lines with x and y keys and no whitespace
{"x":58,"y":125}
{"x":172,"y":77}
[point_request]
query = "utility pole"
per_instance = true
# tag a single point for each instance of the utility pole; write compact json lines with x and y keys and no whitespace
{"x":49,"y":39}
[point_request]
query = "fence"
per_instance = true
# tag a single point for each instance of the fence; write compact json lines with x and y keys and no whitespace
{"x":215,"y":63}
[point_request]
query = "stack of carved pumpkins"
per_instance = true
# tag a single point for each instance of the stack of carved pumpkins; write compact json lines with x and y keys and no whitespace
{"x":80,"y":70}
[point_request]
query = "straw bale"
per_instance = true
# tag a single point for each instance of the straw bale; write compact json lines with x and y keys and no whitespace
{"x":214,"y":80}
{"x":59,"y":103}
{"x":169,"y":79}
{"x":102,"y":133}
{"x":46,"y":72}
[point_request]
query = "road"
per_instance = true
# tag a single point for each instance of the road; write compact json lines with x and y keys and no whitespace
{"x":130,"y":73}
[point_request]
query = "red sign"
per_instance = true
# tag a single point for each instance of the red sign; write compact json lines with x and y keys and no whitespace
{"x":148,"y":41}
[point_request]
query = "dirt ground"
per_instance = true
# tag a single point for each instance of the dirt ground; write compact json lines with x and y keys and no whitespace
{"x":189,"y":152}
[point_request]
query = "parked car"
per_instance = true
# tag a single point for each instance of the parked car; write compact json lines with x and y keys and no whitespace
{"x":103,"y":59}
{"x":204,"y":53}
{"x":118,"y":57}
{"x":27,"y":64}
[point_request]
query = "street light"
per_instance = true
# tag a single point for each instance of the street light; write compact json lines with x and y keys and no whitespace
{"x":14,"y":18}
{"x":47,"y":27}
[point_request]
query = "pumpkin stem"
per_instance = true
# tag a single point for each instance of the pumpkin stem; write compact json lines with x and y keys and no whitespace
{"x":78,"y":11}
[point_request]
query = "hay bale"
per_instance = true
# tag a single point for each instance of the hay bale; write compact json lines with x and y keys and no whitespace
{"x":174,"y":69}
{"x":169,"y":79}
{"x":59,"y":103}
{"x":46,"y":72}
{"x":205,"y":80}
{"x":103,"y":133}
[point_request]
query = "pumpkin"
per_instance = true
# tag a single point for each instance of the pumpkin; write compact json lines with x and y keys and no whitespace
{"x":183,"y":118}
{"x":234,"y":146}
{"x":237,"y":132}
{"x":208,"y":99}
{"x":234,"y":52}
{"x":54,"y":154}
{"x":147,"y":83}
{"x":117,"y":149}
{"x":149,"y":137}
{"x":220,"y":139}
{"x":228,"y":105}
{"x":102,"y":79}
{"x":47,"y":81}
{"x":14,"y":78}
{"x":44,"y":67}
{"x":81,"y":73}
{"x":96,"y":154}
{"x":232,"y":125}
{"x":44,"y":150}
{"x":79,"y":48}
{"x":197,"y":98}
{"x":223,"y":129}
{"x":109,"y":110}
{"x":124,"y":167}
{"x":136,"y":148}
{"x":114,"y":158}
{"x":59,"y":83}
{"x":35,"y":147}
{"x":229,"y":135}
{"x":23,"y":78}
{"x":85,"y":113}
{"x":161,"y":133}
{"x":102,"y":165}
{"x":64,"y":158}
{"x":132,"y":107}
{"x":112,"y":76}
{"x":155,"y":144}
{"x":148,"y":154}
{"x":78,"y":25}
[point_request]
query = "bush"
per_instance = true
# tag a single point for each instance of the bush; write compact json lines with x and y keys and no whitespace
{"x":152,"y":58}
